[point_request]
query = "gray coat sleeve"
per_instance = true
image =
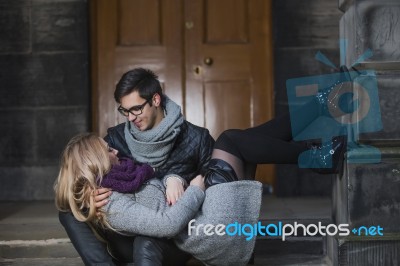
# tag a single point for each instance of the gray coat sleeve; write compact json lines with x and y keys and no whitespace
{"x":128,"y":216}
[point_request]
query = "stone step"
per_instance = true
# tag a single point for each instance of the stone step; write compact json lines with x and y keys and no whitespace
{"x":294,"y":251}
{"x":293,"y":260}
{"x":30,"y":234}
{"x":29,"y":249}
{"x":62,"y":248}
{"x":43,"y":262}
{"x":292,"y":246}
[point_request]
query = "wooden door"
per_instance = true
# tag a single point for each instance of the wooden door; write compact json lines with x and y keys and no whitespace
{"x":214,"y":58}
{"x":228,"y":52}
{"x":126,"y":34}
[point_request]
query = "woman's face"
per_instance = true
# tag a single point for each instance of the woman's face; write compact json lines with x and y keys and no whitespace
{"x":113,"y":155}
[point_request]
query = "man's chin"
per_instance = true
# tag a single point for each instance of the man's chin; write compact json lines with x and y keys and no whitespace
{"x":141,"y":127}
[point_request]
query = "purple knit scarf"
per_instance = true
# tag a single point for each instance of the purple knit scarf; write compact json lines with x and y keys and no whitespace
{"x":127,"y":176}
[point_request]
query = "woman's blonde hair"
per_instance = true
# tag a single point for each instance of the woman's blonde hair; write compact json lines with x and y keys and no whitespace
{"x":84,"y":162}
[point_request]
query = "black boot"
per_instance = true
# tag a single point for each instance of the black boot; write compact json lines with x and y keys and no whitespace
{"x":219,"y":172}
{"x":325,"y":159}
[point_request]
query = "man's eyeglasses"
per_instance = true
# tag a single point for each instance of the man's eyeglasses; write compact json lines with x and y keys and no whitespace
{"x":135,"y":110}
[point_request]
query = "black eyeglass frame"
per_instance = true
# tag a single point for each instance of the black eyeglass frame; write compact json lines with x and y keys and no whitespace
{"x":134,"y":110}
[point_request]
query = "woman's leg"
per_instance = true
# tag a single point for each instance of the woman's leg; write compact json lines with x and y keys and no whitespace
{"x":243,"y":150}
{"x":270,"y":142}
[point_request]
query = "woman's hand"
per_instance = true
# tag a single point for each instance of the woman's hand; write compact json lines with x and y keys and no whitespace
{"x":101,"y":197}
{"x":174,"y":190}
{"x":198,"y":181}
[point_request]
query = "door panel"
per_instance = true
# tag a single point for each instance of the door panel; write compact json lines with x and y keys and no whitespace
{"x":232,"y":25}
{"x":133,"y":33}
{"x":220,"y":104}
{"x":214,"y":58}
{"x":227,"y":59}
{"x":139,"y":28}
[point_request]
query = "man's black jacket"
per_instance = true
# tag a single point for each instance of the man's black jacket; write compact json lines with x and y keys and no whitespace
{"x":188,"y":158}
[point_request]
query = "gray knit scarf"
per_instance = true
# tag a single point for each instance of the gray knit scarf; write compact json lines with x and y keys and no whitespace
{"x":154,"y":145}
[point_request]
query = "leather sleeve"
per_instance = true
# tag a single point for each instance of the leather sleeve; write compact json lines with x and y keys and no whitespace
{"x":206,"y":148}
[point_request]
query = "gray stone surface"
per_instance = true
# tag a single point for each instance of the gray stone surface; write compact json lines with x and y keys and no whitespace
{"x":389,"y":101}
{"x":372,"y":25}
{"x":293,"y":181}
{"x":368,"y":195}
{"x":16,"y":137}
{"x":306,"y":23}
{"x":44,"y":80}
{"x":59,"y":25}
{"x":301,"y":29}
{"x":55,"y":126}
{"x":15,"y":27}
{"x":27,"y":183}
{"x":362,"y":253}
{"x":30,"y":234}
{"x":45,"y":95}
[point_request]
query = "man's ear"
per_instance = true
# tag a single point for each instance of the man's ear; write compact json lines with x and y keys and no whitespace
{"x":157,"y":100}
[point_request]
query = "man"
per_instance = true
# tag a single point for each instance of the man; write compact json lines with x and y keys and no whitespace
{"x":155,"y":133}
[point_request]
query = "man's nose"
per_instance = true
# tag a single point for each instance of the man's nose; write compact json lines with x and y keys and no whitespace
{"x":132,"y":117}
{"x":115,"y":152}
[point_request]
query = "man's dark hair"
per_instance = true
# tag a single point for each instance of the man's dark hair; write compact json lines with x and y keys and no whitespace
{"x":144,"y":81}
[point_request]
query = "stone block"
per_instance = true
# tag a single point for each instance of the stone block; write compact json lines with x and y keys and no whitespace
{"x":27,"y":183}
{"x":17,"y":137}
{"x":373,"y":25}
{"x":293,"y":181}
{"x":389,"y":101}
{"x":60,"y":25}
{"x":368,"y":194}
{"x":14,"y":3}
{"x":15,"y":27}
{"x":44,"y":80}
{"x":306,"y":23}
{"x":363,"y":253}
{"x":55,"y":127}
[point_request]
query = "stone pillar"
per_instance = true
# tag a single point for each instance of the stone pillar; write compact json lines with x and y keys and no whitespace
{"x":44,"y":91}
{"x":367,"y":195}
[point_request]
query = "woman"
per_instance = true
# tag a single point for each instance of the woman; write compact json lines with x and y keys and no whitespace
{"x":87,"y":162}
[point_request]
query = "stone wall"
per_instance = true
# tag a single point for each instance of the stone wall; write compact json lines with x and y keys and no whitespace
{"x":301,"y":29}
{"x":44,"y":92}
{"x":367,"y":195}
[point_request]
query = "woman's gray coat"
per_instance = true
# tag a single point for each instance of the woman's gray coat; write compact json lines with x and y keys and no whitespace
{"x":147,"y":213}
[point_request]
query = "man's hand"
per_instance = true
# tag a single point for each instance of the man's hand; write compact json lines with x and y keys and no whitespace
{"x":174,"y":190}
{"x":101,"y":197}
{"x":198,"y":181}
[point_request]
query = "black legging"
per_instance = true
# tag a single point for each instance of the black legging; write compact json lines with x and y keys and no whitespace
{"x":270,"y":142}
{"x":267,"y":143}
